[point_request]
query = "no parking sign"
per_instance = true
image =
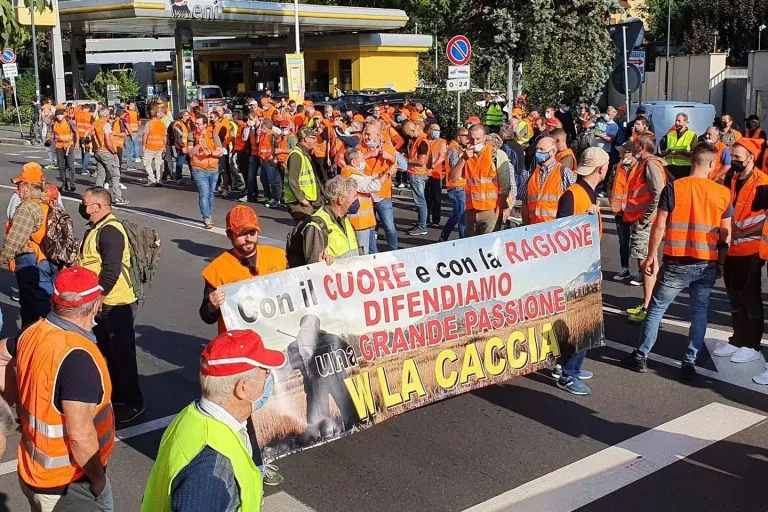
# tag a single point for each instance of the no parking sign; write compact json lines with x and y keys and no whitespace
{"x":458,"y":50}
{"x":8,"y":56}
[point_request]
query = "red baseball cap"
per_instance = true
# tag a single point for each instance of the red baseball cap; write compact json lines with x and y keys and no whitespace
{"x":78,"y":280}
{"x":235,"y":352}
{"x":242,"y":218}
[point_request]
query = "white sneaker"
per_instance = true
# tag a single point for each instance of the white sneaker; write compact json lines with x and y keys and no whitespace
{"x":123,"y":187}
{"x":106,"y":185}
{"x":761,"y":379}
{"x":745,"y":355}
{"x":724,"y":350}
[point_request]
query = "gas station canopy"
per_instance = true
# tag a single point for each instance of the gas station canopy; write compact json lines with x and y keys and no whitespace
{"x":219,"y":17}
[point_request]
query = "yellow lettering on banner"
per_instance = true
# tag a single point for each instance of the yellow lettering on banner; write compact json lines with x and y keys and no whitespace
{"x":517,"y":358}
{"x":411,"y":381}
{"x":549,"y":343}
{"x":471,"y":366}
{"x":390,"y":399}
{"x":532,"y":345}
{"x":359,"y":388}
{"x":443,"y":380}
{"x":494,"y":368}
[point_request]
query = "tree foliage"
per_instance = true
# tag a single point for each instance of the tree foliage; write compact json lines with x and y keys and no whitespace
{"x":25,"y":88}
{"x":125,"y":79}
{"x":9,"y":25}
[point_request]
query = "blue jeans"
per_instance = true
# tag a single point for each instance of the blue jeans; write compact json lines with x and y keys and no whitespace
{"x":252,"y":185}
{"x":572,"y":365}
{"x":418,"y":184}
{"x":623,"y":230}
{"x":270,"y":177}
{"x":386,"y":218}
{"x":363,"y":239}
{"x":699,"y":278}
{"x":458,"y":198}
{"x":205,"y":181}
{"x":132,"y":150}
{"x":181,"y":158}
{"x":35,"y":282}
{"x":85,"y":156}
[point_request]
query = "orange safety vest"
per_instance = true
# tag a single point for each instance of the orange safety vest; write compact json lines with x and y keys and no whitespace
{"x":566,"y":152}
{"x":223,"y":123}
{"x":715,"y":174}
{"x":84,"y":122}
{"x":240,"y":145}
{"x":282,"y":143}
{"x":638,"y":195}
{"x":482,"y":184}
{"x":63,"y":132}
{"x":118,"y":135}
{"x":206,"y":142}
{"x":692,"y":226}
{"x":364,"y":218}
{"x":582,"y":202}
{"x":376,"y":166}
{"x":184,"y":133}
{"x":265,"y":146}
{"x":37,"y":237}
{"x":227,"y":269}
{"x":543,"y":197}
{"x":390,"y":136}
{"x":44,"y":455}
{"x":619,"y":190}
{"x":133,"y":121}
{"x":413,"y":155}
{"x":460,"y":182}
{"x":744,"y":218}
{"x":156,"y":137}
{"x":98,"y":131}
{"x":437,"y":147}
{"x":337,"y":151}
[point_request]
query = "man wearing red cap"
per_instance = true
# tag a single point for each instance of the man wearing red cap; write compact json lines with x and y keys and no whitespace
{"x":63,"y":388}
{"x":21,"y":251}
{"x":205,"y":461}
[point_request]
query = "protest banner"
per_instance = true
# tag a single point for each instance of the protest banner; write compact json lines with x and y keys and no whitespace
{"x":371,"y":337}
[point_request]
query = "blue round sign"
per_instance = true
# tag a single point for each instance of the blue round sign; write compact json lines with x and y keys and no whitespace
{"x":458,"y":50}
{"x":8,"y":56}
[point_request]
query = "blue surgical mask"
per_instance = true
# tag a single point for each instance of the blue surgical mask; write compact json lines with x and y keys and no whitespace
{"x":354,"y":207}
{"x":436,"y":134}
{"x":370,"y":144}
{"x":400,"y":118}
{"x":265,"y":394}
{"x":541,"y":157}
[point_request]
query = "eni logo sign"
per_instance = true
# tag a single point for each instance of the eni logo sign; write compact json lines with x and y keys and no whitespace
{"x":196,"y":9}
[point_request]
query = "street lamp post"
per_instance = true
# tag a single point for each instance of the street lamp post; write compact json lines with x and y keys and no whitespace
{"x":716,"y":33}
{"x":760,"y":36}
{"x":666,"y":58}
{"x":34,"y":49}
{"x":296,"y":24}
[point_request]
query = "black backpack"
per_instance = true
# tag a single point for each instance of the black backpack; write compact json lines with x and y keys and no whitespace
{"x":294,"y":244}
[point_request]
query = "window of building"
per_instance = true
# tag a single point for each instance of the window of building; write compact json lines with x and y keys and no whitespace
{"x":345,"y":74}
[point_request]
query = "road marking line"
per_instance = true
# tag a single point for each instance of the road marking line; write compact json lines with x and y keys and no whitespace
{"x":219,"y":231}
{"x":120,"y":435}
{"x":604,"y":472}
{"x":283,"y":502}
{"x":11,"y":154}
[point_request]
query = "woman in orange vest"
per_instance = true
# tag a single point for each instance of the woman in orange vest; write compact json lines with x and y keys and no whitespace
{"x":618,"y":188}
{"x":65,"y":139}
{"x":84,"y":122}
{"x":204,"y":159}
{"x":743,"y":266}
{"x":438,"y":150}
{"x":580,"y":198}
{"x":694,"y":221}
{"x":363,"y":220}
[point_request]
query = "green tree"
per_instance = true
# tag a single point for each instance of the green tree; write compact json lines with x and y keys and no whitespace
{"x":9,"y":25}
{"x":25,"y":88}
{"x":125,"y":79}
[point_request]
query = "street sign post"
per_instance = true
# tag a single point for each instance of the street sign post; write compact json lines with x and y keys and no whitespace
{"x":459,"y":51}
{"x":7,"y":56}
{"x":637,"y":58}
{"x":10,"y":71}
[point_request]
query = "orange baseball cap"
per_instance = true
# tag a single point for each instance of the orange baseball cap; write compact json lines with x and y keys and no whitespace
{"x":31,"y":172}
{"x":309,"y":103}
{"x":264,"y":101}
{"x":242,"y":218}
{"x":750,"y":145}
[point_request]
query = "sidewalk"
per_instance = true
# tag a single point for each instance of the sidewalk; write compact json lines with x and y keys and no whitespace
{"x":9,"y":134}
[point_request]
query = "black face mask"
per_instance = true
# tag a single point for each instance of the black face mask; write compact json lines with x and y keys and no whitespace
{"x":737,"y":166}
{"x":83,"y":211}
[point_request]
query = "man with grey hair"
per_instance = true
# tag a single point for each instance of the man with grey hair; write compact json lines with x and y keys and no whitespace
{"x":329,"y":234}
{"x":205,"y":461}
{"x":64,"y":401}
{"x":107,"y":162}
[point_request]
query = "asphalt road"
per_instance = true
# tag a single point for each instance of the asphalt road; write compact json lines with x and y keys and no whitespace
{"x":466,"y":450}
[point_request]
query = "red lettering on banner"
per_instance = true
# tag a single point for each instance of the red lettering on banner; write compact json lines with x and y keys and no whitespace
{"x":365,"y":281}
{"x":550,"y":244}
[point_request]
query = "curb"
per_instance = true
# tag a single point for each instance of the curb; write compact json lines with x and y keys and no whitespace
{"x":15,"y":142}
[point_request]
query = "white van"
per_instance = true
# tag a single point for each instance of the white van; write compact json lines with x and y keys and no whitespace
{"x":662,"y":115}
{"x":210,"y":96}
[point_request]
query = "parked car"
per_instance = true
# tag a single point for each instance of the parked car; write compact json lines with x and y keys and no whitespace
{"x":209,"y":96}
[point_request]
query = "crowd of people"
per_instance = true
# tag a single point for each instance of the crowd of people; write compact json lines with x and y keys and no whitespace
{"x":72,"y":369}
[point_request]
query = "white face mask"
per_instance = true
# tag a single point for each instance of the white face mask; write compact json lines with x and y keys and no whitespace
{"x":626,"y":161}
{"x":361,"y":166}
{"x":286,"y":132}
{"x":479,"y":147}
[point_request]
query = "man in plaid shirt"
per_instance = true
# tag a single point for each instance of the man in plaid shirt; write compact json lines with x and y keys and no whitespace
{"x":21,"y":248}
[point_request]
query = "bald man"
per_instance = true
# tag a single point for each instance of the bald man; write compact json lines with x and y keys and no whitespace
{"x":544,"y":186}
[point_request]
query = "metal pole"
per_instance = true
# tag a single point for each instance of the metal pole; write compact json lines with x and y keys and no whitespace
{"x":458,"y":109}
{"x":435,"y":55}
{"x":59,"y":88}
{"x":626,"y":67}
{"x":296,"y":24}
{"x":759,"y":39}
{"x":34,"y":50}
{"x":666,"y":58}
{"x":510,"y":87}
